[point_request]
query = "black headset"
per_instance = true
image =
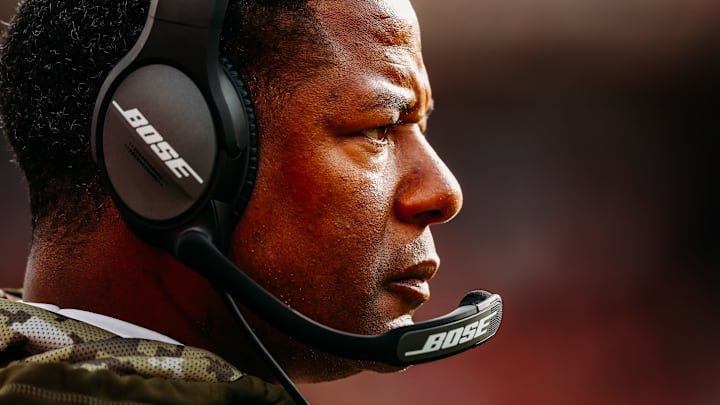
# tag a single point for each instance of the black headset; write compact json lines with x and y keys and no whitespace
{"x":174,"y":136}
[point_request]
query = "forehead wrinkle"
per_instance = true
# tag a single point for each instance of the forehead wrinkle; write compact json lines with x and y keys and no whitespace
{"x":377,"y":23}
{"x":390,"y":30}
{"x":380,"y":40}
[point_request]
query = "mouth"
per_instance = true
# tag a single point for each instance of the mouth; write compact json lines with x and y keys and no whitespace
{"x":411,"y":285}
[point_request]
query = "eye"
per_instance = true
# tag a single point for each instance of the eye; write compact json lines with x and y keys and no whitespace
{"x":377,"y":133}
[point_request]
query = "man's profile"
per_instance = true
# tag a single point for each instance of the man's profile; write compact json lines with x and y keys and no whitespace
{"x":336,"y":224}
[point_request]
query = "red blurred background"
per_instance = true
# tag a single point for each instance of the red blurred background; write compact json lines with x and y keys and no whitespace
{"x":583,"y":133}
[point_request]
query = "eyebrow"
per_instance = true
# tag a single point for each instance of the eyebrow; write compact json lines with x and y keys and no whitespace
{"x":385,"y":100}
{"x":396,"y":102}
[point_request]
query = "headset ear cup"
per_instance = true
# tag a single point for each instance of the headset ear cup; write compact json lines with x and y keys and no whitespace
{"x":251,"y":168}
{"x":157,"y":168}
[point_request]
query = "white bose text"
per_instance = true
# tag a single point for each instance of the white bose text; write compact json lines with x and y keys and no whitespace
{"x":162,"y":148}
{"x":454,"y":337}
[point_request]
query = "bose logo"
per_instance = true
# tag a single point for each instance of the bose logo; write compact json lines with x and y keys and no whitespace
{"x":162,"y":149}
{"x":454,"y":337}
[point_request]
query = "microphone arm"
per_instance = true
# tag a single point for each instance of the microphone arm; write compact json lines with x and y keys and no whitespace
{"x":476,"y":319}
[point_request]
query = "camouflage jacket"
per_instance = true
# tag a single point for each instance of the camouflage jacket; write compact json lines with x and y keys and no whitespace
{"x":46,"y":358}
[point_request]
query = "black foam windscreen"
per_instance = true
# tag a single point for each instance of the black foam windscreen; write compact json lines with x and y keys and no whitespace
{"x":474,"y":297}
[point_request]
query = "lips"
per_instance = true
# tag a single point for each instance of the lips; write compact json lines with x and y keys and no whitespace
{"x":411,"y":284}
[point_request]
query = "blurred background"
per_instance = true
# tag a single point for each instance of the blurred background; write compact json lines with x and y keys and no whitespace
{"x":583,"y":133}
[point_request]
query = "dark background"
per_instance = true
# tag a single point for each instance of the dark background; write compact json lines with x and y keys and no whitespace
{"x":583,"y":133}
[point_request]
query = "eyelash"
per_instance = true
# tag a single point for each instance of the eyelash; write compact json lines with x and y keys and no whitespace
{"x":382,"y":133}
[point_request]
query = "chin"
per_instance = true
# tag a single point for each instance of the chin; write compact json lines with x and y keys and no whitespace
{"x":305,"y":364}
{"x":404,"y":320}
{"x":308,"y":365}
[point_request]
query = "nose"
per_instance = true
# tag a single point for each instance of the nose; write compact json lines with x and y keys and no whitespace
{"x":428,"y":192}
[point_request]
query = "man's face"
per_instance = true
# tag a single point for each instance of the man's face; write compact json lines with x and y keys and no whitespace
{"x":338,"y":224}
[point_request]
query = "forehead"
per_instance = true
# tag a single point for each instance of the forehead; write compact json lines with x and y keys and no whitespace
{"x":377,"y":57}
{"x":368,"y":26}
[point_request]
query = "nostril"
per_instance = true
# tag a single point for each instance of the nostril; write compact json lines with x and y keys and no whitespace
{"x":431,"y":217}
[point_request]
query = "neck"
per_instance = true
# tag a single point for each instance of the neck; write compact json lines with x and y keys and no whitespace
{"x":112,"y":272}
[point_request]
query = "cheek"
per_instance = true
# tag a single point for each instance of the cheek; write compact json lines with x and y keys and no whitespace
{"x":343,"y":202}
{"x":315,"y":233}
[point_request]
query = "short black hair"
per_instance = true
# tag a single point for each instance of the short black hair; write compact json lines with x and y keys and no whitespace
{"x":55,"y":56}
